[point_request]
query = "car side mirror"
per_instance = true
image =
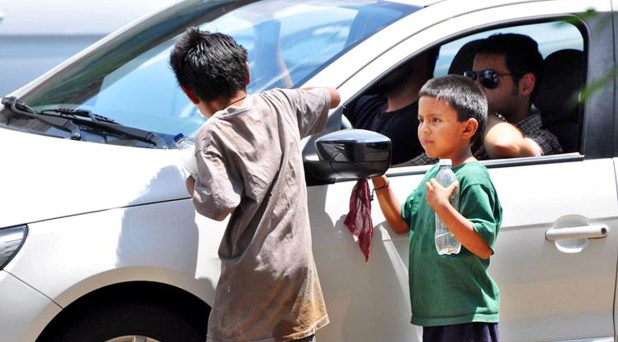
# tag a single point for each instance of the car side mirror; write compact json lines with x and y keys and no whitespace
{"x":353,"y":153}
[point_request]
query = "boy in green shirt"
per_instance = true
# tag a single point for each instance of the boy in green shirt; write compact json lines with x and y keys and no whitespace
{"x":453,"y":297}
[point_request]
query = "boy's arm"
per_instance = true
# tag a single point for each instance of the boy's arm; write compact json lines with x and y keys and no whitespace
{"x":335,"y":98}
{"x":190,"y":183}
{"x":389,"y":204}
{"x":438,"y":199}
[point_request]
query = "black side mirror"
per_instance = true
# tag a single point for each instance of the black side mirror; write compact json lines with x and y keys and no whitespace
{"x":353,"y":153}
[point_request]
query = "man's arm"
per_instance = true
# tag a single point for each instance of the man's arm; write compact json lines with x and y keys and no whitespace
{"x":504,"y":140}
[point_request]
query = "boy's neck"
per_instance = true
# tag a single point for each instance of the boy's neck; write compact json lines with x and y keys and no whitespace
{"x":223,"y":102}
{"x":463,"y":157}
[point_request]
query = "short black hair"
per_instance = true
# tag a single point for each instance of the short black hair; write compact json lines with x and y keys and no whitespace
{"x":521,"y":54}
{"x":211,"y":65}
{"x":461,"y":93}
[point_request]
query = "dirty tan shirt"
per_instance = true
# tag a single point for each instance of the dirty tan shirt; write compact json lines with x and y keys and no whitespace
{"x":250,"y":166}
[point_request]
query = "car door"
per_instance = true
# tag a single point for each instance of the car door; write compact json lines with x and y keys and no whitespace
{"x":555,"y":258}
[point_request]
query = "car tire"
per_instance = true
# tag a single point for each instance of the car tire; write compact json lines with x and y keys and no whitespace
{"x":121,"y":321}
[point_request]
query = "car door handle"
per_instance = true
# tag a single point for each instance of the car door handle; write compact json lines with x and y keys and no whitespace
{"x":1,"y":15}
{"x":584,"y":232}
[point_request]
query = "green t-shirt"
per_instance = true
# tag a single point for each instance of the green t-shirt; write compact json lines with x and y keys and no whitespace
{"x":456,"y":288}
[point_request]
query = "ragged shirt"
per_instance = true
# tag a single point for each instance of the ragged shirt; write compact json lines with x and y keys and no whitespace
{"x":250,"y":166}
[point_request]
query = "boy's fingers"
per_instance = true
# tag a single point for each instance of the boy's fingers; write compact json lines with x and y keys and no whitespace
{"x":429,"y":186}
{"x":451,"y":188}
{"x":454,"y":185}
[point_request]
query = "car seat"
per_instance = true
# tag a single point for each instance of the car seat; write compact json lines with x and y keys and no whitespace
{"x":464,"y":58}
{"x":558,"y":98}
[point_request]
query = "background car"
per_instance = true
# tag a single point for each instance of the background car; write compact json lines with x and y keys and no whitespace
{"x":37,"y":35}
{"x":99,"y":239}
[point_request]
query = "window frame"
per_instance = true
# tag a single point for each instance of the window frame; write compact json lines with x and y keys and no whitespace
{"x":590,"y":145}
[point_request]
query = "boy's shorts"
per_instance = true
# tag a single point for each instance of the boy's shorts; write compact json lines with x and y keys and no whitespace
{"x":467,"y":332}
{"x":306,"y":339}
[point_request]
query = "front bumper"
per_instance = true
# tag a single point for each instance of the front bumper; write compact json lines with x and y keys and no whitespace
{"x":24,"y":312}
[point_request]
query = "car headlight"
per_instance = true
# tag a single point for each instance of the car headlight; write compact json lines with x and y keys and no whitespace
{"x":11,"y":240}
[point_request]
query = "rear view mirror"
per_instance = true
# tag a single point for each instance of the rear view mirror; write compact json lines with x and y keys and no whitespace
{"x":354,"y":153}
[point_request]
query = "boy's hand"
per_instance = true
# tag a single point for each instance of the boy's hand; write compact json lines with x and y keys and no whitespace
{"x":439,"y":196}
{"x":190,"y":183}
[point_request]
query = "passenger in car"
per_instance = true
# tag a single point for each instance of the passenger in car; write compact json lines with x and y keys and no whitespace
{"x":509,"y":68}
{"x":452,"y":296}
{"x":390,"y":107}
{"x":250,"y":166}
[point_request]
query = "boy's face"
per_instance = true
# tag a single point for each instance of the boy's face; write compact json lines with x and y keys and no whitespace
{"x":439,"y":131}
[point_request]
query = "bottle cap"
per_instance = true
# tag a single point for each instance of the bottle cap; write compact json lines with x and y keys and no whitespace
{"x":178,"y":137}
{"x":446,"y":162}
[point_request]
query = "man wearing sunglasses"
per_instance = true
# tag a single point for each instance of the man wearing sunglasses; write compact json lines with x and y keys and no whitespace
{"x":508,"y":68}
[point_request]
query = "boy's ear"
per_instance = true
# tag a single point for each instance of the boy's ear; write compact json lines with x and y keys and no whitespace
{"x":470,"y":128}
{"x":191,"y":95}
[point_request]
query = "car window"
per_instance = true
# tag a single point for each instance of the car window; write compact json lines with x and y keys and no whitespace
{"x":551,"y":36}
{"x":559,"y":42}
{"x":129,"y":79}
{"x":562,"y":47}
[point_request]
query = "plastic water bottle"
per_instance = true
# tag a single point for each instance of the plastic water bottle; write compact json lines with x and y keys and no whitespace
{"x":187,"y":148}
{"x":446,"y":242}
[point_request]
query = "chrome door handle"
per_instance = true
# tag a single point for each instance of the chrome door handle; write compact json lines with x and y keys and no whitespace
{"x":583,"y":232}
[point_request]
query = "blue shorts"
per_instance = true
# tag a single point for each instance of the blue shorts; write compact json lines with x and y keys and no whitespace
{"x":467,"y":332}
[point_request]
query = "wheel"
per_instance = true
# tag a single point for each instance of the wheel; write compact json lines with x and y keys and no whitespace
{"x":136,"y":321}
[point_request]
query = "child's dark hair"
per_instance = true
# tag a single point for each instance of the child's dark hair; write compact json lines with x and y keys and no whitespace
{"x":212,"y":65}
{"x":461,"y":93}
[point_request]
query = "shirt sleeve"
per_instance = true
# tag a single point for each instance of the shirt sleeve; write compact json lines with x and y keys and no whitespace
{"x":311,"y":107}
{"x":406,"y":209}
{"x":479,"y":206}
{"x":218,"y":189}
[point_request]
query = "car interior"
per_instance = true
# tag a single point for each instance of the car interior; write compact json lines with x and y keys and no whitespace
{"x":559,"y":96}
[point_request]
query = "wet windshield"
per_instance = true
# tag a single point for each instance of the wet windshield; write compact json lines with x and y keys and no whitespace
{"x":129,"y":79}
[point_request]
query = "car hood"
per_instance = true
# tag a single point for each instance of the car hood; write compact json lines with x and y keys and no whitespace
{"x":43,"y":178}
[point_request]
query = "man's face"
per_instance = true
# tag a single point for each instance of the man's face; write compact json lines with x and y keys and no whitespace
{"x":505,"y":95}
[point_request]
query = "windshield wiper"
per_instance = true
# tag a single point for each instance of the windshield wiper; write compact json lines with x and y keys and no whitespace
{"x":19,"y":107}
{"x":64,"y":118}
{"x":108,"y":124}
{"x":79,"y":112}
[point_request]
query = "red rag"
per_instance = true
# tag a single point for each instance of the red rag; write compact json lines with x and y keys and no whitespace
{"x":358,"y":219}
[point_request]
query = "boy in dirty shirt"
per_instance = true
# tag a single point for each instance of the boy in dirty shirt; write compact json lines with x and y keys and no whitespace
{"x":250,"y":166}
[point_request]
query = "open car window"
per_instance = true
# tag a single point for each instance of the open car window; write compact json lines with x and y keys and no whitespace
{"x":562,"y":46}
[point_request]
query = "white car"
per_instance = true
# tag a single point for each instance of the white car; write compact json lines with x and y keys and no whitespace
{"x":99,"y":240}
{"x":37,"y":35}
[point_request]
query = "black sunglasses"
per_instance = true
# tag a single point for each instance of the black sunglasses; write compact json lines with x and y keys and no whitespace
{"x":488,"y":77}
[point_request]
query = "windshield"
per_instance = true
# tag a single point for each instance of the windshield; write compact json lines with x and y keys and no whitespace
{"x":129,"y":79}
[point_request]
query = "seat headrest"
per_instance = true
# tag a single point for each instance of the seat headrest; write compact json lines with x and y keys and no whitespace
{"x":464,"y":58}
{"x":562,"y":80}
